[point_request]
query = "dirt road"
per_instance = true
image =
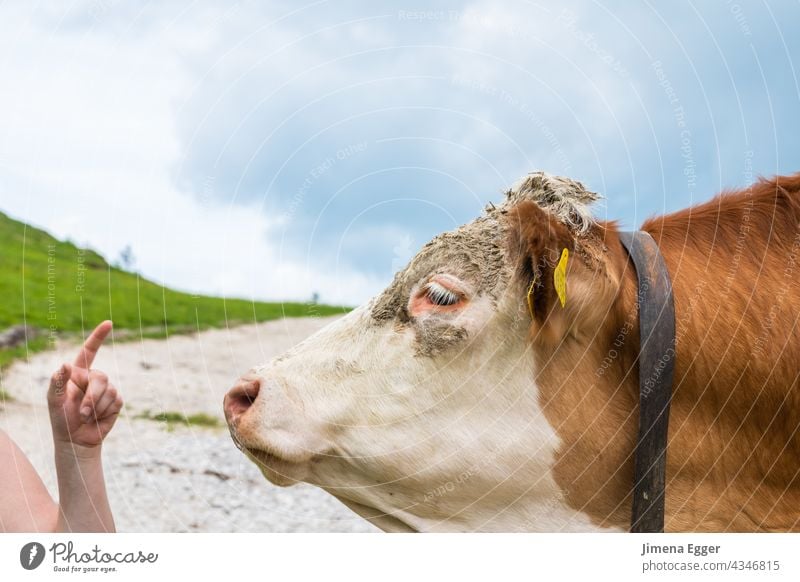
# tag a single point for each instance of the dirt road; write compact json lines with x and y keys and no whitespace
{"x":171,"y":477}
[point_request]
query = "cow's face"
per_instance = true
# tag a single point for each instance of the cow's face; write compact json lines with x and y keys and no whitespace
{"x":420,"y":410}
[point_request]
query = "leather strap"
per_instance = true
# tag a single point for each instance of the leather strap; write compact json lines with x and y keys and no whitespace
{"x":656,"y":372}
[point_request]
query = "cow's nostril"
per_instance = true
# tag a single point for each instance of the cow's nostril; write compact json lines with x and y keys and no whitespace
{"x":240,"y":398}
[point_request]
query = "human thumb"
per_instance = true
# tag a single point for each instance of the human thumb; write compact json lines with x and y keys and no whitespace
{"x":58,"y":384}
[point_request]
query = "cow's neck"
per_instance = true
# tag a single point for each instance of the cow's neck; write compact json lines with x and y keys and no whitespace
{"x":724,"y":472}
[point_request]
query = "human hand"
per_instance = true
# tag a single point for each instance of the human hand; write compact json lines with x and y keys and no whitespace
{"x":83,"y":404}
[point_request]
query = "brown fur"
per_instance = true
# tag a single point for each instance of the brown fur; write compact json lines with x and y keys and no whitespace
{"x":734,"y":433}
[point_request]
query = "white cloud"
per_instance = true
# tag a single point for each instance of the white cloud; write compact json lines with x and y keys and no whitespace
{"x":87,"y":151}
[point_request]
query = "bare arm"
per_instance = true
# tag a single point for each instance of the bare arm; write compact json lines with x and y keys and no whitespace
{"x":82,"y":494}
{"x":83,"y":408}
{"x":25,"y":504}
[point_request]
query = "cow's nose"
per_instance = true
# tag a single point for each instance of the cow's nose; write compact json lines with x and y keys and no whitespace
{"x":240,"y":398}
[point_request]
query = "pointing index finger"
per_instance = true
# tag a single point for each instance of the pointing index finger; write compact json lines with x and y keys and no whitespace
{"x":92,"y":344}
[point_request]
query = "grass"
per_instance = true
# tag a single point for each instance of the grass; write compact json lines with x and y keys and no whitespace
{"x":176,"y":418}
{"x":61,"y":288}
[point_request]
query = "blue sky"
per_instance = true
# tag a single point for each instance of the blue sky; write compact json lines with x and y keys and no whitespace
{"x":274,"y":149}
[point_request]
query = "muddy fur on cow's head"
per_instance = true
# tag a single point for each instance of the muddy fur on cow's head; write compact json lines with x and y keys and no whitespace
{"x":480,"y":249}
{"x":565,"y":199}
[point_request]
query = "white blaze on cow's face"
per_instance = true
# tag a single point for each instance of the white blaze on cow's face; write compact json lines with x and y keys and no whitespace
{"x":418,"y":410}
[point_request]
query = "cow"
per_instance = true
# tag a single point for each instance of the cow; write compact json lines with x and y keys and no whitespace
{"x":474,"y":394}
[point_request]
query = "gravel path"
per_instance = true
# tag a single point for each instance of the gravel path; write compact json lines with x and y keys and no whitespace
{"x":176,"y":478}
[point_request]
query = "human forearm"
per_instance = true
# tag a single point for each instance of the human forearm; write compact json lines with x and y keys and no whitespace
{"x":83,"y":406}
{"x":25,"y":504}
{"x":83,"y":502}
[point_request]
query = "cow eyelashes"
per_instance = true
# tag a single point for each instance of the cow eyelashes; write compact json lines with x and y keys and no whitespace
{"x":440,"y":295}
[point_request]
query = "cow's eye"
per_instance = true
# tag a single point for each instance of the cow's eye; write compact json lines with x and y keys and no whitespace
{"x":440,"y":295}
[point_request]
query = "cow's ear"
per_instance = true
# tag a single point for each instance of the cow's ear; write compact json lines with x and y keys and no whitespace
{"x":542,"y":247}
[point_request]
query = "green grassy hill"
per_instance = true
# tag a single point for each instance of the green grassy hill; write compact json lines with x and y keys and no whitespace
{"x":60,"y":288}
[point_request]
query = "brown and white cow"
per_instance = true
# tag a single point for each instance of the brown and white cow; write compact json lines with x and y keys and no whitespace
{"x":448,"y":403}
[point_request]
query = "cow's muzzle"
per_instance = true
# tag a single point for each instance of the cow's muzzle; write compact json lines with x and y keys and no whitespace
{"x":272,"y":429}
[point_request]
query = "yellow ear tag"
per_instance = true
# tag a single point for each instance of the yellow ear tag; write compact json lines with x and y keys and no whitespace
{"x":529,"y":296}
{"x":560,"y":277}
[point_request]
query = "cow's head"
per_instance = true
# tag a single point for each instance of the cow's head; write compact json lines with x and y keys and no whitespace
{"x":420,"y":410}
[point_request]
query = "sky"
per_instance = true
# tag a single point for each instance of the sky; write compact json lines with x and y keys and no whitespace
{"x":272,"y":150}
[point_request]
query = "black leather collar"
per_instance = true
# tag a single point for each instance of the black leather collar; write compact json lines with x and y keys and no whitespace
{"x":656,"y":371}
